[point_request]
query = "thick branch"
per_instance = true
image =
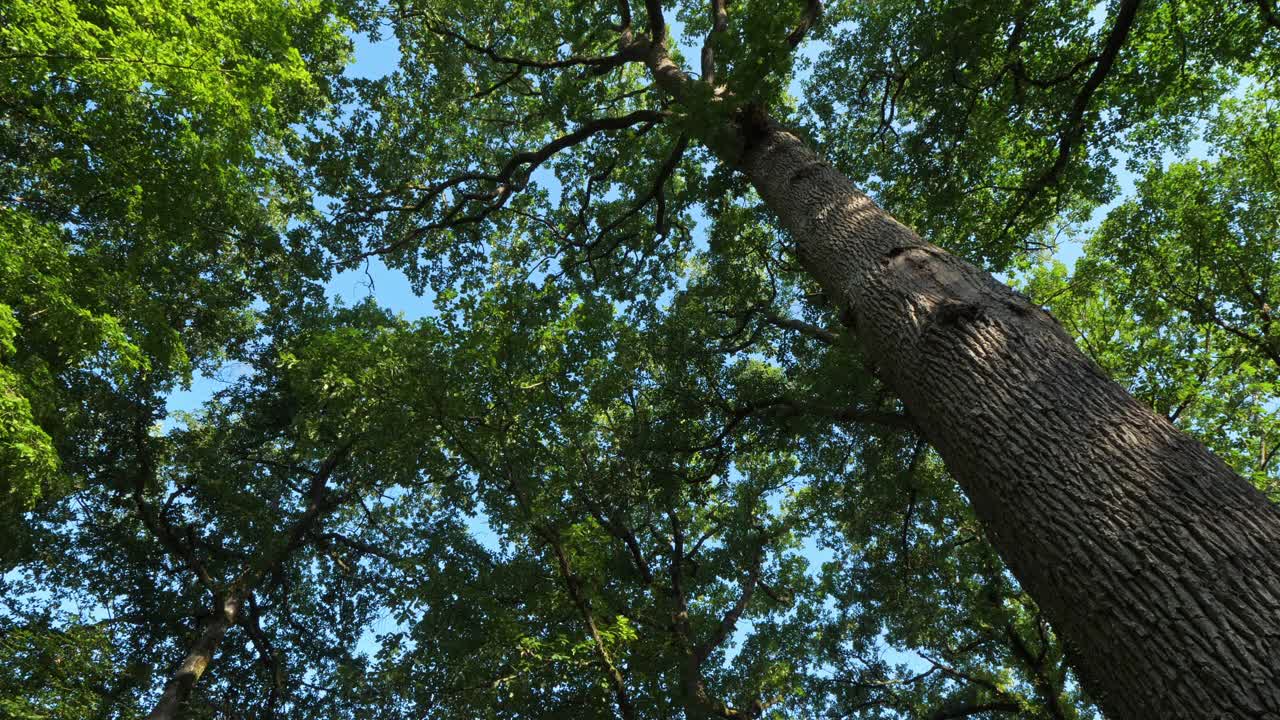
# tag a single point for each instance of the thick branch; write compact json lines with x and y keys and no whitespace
{"x":1049,"y":691}
{"x":730,"y":620}
{"x":657,"y":23}
{"x":1269,"y":13}
{"x":158,"y":526}
{"x":227,"y":612}
{"x":624,"y":13}
{"x":266,"y":654}
{"x":812,"y":12}
{"x":680,"y":616}
{"x":719,"y":22}
{"x":1072,"y":130}
{"x":533,"y":159}
{"x":178,"y":689}
{"x":784,"y":407}
{"x":620,"y":531}
{"x":698,"y":702}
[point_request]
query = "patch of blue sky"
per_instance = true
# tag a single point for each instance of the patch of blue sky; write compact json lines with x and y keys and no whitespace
{"x":203,"y":386}
{"x":391,"y":289}
{"x":483,"y":533}
{"x":387,"y":287}
{"x":373,"y":59}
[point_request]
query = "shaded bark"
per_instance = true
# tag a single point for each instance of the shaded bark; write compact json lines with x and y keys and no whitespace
{"x":227,"y":605}
{"x":583,"y":604}
{"x":964,"y":711}
{"x":178,"y":689}
{"x":1157,"y":564}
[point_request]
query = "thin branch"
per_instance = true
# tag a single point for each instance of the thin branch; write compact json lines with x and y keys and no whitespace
{"x":600,"y":64}
{"x":320,"y":503}
{"x":654,"y":192}
{"x":580,"y":601}
{"x":114,"y":59}
{"x":510,"y":179}
{"x":1073,"y":128}
{"x":155,"y":522}
{"x":729,"y":622}
{"x":361,"y":546}
{"x":908,"y":516}
{"x":826,"y":337}
{"x":963,"y":711}
{"x":851,"y":414}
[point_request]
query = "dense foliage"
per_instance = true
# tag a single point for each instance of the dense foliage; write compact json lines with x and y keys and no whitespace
{"x":629,"y":463}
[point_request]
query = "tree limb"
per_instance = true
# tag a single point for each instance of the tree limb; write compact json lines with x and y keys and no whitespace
{"x":719,"y":22}
{"x":963,"y":711}
{"x":826,"y":337}
{"x":812,"y":12}
{"x":320,"y":503}
{"x":729,"y":622}
{"x":1269,"y":14}
{"x":266,"y":654}
{"x":624,"y":12}
{"x":657,"y":23}
{"x":654,"y":192}
{"x":178,"y":688}
{"x":1073,"y":127}
{"x":154,"y":521}
{"x":510,"y":179}
{"x":580,"y":601}
{"x":600,"y":64}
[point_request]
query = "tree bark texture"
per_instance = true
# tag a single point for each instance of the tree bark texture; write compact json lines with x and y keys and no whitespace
{"x":178,"y":689}
{"x":1156,"y":563}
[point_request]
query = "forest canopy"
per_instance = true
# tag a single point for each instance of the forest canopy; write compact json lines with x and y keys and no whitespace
{"x":671,"y":419}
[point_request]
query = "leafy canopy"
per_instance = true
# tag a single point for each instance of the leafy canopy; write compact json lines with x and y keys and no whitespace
{"x":629,"y":464}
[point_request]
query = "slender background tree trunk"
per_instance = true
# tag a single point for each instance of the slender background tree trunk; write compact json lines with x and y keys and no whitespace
{"x":1158,"y":565}
{"x":178,"y":689}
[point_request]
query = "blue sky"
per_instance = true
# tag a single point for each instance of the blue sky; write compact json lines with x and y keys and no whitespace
{"x":390,"y":289}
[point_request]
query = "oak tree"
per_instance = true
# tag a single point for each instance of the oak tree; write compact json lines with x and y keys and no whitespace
{"x":692,"y":426}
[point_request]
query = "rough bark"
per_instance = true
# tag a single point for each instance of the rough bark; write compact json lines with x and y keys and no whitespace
{"x":178,"y":689}
{"x":226,"y":610}
{"x":1158,"y":565}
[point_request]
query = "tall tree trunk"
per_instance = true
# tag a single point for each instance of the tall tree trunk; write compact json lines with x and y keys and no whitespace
{"x":178,"y":690}
{"x":1158,"y":565}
